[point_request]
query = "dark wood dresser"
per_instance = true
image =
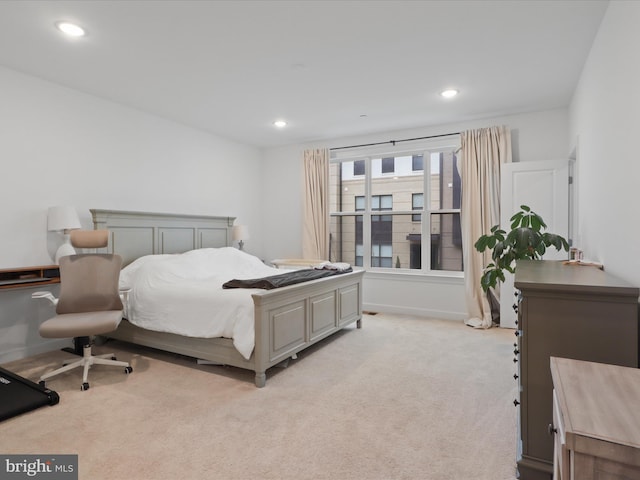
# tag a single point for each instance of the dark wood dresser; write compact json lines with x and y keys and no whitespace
{"x":570,"y":311}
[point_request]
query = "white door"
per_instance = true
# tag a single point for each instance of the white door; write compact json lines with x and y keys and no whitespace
{"x":543,"y":186}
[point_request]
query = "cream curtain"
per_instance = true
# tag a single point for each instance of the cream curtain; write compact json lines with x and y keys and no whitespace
{"x":315,"y":235}
{"x":483,"y":151}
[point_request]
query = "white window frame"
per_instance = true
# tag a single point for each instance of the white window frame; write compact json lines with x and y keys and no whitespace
{"x":425,"y":148}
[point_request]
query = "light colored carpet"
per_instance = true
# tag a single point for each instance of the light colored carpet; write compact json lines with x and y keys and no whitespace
{"x":401,"y":398}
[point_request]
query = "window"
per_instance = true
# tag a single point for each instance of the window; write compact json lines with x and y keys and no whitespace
{"x":444,"y":213}
{"x":417,"y":163}
{"x":358,"y":167}
{"x":378,"y":202}
{"x":417,"y":203}
{"x":381,"y":231}
{"x":388,"y":165}
{"x":407,"y":220}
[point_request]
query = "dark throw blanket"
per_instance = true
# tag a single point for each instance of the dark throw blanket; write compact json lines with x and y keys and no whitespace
{"x":284,"y":279}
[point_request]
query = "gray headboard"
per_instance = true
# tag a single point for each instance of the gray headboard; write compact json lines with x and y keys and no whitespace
{"x":135,"y":234}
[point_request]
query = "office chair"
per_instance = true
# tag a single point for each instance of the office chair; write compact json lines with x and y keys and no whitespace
{"x":89,"y":302}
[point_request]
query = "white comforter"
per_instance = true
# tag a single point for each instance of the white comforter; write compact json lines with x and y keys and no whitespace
{"x":183,"y":294}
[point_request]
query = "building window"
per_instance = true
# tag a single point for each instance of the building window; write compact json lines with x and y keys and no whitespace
{"x":358,"y":167}
{"x":417,"y":163}
{"x":382,"y":202}
{"x":408,"y":220}
{"x":417,"y":203}
{"x":388,"y":165}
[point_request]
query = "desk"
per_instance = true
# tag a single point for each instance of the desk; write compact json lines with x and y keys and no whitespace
{"x":29,"y":276}
{"x":13,"y":280}
{"x":17,"y":394}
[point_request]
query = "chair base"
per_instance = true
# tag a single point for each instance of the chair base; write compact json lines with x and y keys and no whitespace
{"x":86,"y":362}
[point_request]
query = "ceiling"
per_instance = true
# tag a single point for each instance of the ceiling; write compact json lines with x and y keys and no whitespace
{"x":329,"y":68}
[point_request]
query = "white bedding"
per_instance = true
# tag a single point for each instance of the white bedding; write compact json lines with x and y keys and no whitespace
{"x":183,"y":294}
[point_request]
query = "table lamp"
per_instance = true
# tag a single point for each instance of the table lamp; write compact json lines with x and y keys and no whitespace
{"x":240,"y":233}
{"x":63,"y":219}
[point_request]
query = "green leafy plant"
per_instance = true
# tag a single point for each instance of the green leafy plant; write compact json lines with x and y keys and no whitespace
{"x":527,"y":239}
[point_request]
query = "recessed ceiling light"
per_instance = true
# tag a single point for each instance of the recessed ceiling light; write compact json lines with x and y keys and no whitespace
{"x":449,"y":93}
{"x":280,"y":123}
{"x":70,"y":29}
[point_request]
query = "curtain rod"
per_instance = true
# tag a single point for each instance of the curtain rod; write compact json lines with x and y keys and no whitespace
{"x":393,"y":142}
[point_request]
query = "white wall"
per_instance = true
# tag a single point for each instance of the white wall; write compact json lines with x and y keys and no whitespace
{"x":535,"y":136}
{"x":604,"y":125}
{"x":60,"y":146}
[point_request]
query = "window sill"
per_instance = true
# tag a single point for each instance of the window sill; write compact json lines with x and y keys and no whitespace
{"x":439,"y":277}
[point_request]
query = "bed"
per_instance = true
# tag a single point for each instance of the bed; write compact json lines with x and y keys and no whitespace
{"x":286,"y":320}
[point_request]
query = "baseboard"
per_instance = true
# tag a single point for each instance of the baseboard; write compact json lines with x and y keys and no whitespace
{"x":534,"y":469}
{"x":28,"y":351}
{"x":420,"y":312}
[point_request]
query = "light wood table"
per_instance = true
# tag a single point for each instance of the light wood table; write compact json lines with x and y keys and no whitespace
{"x":596,"y":411}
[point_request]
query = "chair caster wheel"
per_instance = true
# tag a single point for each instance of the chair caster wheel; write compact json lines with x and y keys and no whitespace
{"x":128,"y":370}
{"x":113,"y":358}
{"x":42,"y":384}
{"x":84,"y":386}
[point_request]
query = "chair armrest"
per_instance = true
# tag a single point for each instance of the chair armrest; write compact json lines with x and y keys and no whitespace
{"x":48,"y":295}
{"x":124,"y":296}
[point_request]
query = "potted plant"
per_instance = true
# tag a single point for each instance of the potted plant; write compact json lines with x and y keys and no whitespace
{"x":527,"y":239}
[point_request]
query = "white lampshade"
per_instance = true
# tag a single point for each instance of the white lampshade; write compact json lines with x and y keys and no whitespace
{"x":240,"y":232}
{"x":62,"y":218}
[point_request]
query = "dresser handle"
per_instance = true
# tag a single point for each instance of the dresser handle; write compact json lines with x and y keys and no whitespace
{"x":516,"y":351}
{"x":515,"y":376}
{"x":516,"y":403}
{"x":551,"y":430}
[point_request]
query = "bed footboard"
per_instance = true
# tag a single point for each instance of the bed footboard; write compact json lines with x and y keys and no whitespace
{"x":287,"y":320}
{"x":290,"y":319}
